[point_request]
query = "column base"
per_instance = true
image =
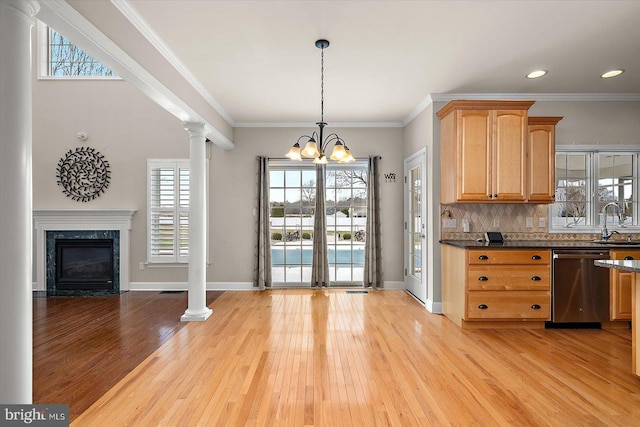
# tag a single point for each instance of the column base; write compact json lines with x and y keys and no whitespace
{"x":199,"y":316}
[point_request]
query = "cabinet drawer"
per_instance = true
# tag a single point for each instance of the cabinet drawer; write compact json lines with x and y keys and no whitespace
{"x":509,"y":277}
{"x":487,"y":305}
{"x":509,"y":256}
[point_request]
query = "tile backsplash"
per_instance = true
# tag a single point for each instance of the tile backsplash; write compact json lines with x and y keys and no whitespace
{"x":510,"y":219}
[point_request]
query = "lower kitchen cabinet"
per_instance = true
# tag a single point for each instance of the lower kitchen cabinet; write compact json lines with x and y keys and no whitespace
{"x":620,"y":284}
{"x":496,"y":287}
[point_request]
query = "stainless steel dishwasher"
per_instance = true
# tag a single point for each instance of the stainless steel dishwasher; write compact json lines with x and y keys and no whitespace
{"x":580,"y":290}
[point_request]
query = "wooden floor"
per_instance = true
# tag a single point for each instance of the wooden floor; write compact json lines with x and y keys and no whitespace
{"x":332,"y":358}
{"x":83,"y":346}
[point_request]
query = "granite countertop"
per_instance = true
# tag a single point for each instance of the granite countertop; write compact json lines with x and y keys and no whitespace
{"x":631,"y":265}
{"x":535,"y":244}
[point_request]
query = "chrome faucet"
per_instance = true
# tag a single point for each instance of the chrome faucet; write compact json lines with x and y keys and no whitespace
{"x":605,"y":233}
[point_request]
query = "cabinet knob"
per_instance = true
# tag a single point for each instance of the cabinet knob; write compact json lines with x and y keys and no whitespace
{"x":495,"y":196}
{"x":536,"y":307}
{"x":536,"y":257}
{"x":483,"y":306}
{"x":628,"y":258}
{"x":536,"y":278}
{"x":483,"y":257}
{"x":483,"y":278}
{"x":553,"y":196}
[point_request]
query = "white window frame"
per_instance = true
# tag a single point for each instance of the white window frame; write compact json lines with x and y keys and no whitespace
{"x":279,"y":164}
{"x":592,"y":215}
{"x":42,"y":62}
{"x":176,"y":165}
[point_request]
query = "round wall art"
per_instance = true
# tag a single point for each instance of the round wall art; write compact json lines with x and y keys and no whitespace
{"x":83,"y":174}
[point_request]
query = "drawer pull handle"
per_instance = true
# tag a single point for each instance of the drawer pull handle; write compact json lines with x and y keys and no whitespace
{"x":536,"y":257}
{"x":483,"y":257}
{"x":483,"y":306}
{"x":536,"y":278}
{"x":536,"y":307}
{"x":483,"y":278}
{"x":628,"y":258}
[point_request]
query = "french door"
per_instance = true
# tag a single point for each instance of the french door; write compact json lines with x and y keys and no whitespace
{"x":292,"y":193}
{"x":414,"y":225}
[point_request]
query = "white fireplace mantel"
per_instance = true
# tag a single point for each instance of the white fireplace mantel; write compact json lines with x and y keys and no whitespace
{"x":80,"y":219}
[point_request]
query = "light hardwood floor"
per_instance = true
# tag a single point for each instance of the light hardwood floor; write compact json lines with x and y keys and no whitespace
{"x":329,"y":358}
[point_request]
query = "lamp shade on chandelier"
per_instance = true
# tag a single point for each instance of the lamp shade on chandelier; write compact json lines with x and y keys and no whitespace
{"x":316,"y":142}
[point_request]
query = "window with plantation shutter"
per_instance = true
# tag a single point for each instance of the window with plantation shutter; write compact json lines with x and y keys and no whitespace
{"x":168,"y":211}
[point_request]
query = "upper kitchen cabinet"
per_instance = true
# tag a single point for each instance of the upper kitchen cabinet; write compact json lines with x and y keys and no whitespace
{"x":483,"y":146}
{"x":541,"y":159}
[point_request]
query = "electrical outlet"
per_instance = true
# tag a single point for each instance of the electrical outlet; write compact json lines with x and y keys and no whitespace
{"x":496,"y":223}
{"x":141,"y":265}
{"x":542,"y":222}
{"x":449,"y":223}
{"x":529,"y":222}
{"x":466,"y":227}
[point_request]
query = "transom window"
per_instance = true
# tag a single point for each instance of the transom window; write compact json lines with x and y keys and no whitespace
{"x":586,"y":182}
{"x":59,"y":58}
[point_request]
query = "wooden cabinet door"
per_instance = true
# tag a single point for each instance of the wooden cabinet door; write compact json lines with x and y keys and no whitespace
{"x":508,"y":155}
{"x":473,"y":151}
{"x":621,"y":283}
{"x":541,"y":155}
{"x":620,"y":294}
{"x":541,"y":165}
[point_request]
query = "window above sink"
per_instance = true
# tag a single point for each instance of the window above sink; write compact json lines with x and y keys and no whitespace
{"x":587,"y":179}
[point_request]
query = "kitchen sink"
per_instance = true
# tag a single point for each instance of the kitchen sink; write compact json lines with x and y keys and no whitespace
{"x":618,"y":242}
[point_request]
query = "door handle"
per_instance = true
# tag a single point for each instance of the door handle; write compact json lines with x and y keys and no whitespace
{"x":536,"y":278}
{"x":536,"y":257}
{"x":483,"y":278}
{"x":483,"y":257}
{"x":483,"y":306}
{"x":536,"y":307}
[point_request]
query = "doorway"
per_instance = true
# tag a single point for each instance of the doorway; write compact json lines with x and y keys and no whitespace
{"x":415,"y":232}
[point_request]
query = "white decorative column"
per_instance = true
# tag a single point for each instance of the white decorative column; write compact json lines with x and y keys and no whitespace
{"x":16,"y":19}
{"x":197,"y":310}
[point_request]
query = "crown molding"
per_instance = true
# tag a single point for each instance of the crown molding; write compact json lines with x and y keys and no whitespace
{"x":556,"y":97}
{"x":423,"y":105}
{"x":134,"y":17}
{"x":332,"y":125}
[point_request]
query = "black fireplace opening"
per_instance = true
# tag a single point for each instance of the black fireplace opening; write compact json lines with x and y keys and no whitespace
{"x":84,"y":264}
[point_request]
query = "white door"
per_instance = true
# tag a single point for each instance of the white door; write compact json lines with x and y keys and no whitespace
{"x":415,"y":198}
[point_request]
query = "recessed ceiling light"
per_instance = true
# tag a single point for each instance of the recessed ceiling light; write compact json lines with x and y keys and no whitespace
{"x":612,"y":73}
{"x":536,"y":74}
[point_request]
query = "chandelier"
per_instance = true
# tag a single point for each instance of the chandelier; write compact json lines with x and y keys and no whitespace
{"x":311,"y":150}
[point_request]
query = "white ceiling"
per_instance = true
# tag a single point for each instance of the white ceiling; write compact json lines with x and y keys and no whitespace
{"x":259,"y":61}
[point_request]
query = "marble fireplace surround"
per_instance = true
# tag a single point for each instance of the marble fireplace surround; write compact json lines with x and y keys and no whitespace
{"x":80,"y":220}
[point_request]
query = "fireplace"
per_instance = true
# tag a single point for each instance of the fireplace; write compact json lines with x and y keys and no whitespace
{"x":84,"y":264}
{"x":53,"y":224}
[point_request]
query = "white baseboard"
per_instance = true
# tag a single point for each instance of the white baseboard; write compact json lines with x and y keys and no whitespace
{"x":393,"y":286}
{"x":183,"y":286}
{"x":224,"y":286}
{"x":434,"y":307}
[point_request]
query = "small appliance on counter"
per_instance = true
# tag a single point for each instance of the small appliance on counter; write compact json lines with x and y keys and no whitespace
{"x":493,"y":237}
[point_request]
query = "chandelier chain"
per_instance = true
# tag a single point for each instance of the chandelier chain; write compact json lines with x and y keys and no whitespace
{"x":322,"y":85}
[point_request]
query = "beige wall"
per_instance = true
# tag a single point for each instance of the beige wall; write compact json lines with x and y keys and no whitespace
{"x":418,"y":135}
{"x":233,"y":194}
{"x":128,"y":129}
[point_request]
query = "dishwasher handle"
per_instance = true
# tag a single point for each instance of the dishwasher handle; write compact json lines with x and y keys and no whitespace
{"x":582,"y":255}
